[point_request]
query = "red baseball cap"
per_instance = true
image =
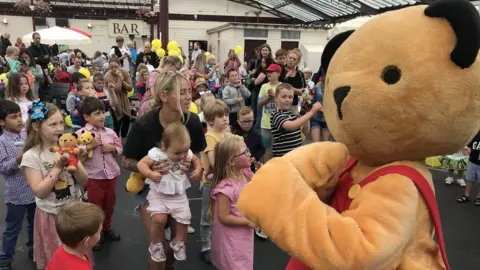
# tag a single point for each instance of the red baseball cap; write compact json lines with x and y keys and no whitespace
{"x":274,"y":68}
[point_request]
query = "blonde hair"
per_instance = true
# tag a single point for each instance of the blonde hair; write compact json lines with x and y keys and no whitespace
{"x":171,"y":60}
{"x":224,"y":152}
{"x":167,"y":83}
{"x":200,"y":62}
{"x":283,"y":86}
{"x":141,"y":66}
{"x":33,"y":129}
{"x":175,"y":132}
{"x":141,"y":74}
{"x":211,"y":56}
{"x":214,"y":110}
{"x":203,"y":100}
{"x":12,"y":50}
{"x":244,"y":111}
{"x":297,"y":52}
{"x":77,"y":220}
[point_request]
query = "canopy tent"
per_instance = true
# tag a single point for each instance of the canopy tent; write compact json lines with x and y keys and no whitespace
{"x":347,"y":26}
{"x":59,"y":35}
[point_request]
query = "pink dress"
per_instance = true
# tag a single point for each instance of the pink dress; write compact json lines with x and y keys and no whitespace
{"x":145,"y":103}
{"x":232,"y":246}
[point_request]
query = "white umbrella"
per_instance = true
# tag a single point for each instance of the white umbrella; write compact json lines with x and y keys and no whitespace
{"x":347,"y":26}
{"x":59,"y":35}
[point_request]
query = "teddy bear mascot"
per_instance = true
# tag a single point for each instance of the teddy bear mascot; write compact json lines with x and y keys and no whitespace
{"x":403,"y":87}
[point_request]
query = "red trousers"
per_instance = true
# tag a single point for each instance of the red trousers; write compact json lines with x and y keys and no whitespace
{"x":102,"y":192}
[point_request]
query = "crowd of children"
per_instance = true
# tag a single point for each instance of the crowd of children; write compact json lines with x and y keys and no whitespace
{"x":239,"y":127}
{"x":233,"y":148}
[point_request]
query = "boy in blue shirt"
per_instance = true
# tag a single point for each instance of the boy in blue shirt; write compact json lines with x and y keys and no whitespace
{"x":19,"y":197}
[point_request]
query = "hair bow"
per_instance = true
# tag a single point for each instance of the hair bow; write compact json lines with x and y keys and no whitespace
{"x":38,"y":111}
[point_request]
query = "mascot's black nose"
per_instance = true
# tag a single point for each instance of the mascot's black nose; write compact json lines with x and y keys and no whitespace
{"x":339,"y":95}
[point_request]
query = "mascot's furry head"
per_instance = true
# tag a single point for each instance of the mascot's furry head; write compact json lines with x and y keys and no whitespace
{"x":406,"y":85}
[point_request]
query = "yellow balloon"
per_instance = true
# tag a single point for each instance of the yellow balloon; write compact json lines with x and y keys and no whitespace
{"x":129,"y":94}
{"x":193,"y":108}
{"x":156,"y":44}
{"x":181,"y":58}
{"x":238,"y":50}
{"x":85,"y":72}
{"x":50,"y":67}
{"x":174,"y":52}
{"x":433,"y":162}
{"x":160,"y":52}
{"x":3,"y":77}
{"x":207,"y":54}
{"x":68,"y":121}
{"x":172,"y":45}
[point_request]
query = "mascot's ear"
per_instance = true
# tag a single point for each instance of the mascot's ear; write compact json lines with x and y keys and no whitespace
{"x":93,"y":135}
{"x":465,"y":21}
{"x":332,"y":47}
{"x":75,"y":135}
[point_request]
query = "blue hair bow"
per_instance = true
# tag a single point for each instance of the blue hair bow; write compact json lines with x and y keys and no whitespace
{"x":38,"y":111}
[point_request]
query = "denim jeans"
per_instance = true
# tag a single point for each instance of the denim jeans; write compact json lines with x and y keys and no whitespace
{"x":205,"y":222}
{"x":13,"y":227}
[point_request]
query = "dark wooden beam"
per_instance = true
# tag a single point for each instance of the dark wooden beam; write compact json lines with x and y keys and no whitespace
{"x":163,"y":22}
{"x":94,"y":2}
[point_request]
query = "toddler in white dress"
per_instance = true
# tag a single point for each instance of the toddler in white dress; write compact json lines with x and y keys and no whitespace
{"x":167,"y":194}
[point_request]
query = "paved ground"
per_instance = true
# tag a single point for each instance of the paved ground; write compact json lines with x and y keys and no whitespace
{"x":460,"y":223}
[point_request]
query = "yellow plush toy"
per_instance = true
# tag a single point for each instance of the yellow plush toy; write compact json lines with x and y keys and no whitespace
{"x":68,"y":148}
{"x":86,"y":137}
{"x":403,"y":87}
{"x":135,"y":183}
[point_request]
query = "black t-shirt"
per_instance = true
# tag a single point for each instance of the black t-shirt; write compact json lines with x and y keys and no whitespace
{"x":147,"y":132}
{"x":475,"y":146}
{"x":297,"y":82}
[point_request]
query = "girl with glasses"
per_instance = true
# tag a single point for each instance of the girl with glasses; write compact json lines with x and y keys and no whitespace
{"x":232,"y":233}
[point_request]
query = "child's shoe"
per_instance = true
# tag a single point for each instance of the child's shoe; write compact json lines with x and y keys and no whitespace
{"x":5,"y":265}
{"x":259,"y":233}
{"x":111,"y":235}
{"x":156,"y":252}
{"x":179,"y":250}
{"x":463,"y":199}
{"x":461,"y":182}
{"x":449,"y":180}
{"x":98,"y":246}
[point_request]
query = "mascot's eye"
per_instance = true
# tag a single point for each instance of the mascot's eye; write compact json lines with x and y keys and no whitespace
{"x":391,"y":74}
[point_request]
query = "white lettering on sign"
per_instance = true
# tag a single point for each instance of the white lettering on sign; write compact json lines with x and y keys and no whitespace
{"x":125,"y":28}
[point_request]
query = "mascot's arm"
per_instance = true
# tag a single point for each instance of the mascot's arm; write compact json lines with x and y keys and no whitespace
{"x":370,"y":235}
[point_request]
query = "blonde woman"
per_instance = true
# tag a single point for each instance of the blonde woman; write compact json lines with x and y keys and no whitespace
{"x":199,"y":68}
{"x":172,"y":96}
{"x":168,"y":63}
{"x":294,"y":76}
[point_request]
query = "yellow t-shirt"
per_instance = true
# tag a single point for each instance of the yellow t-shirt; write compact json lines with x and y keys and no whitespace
{"x":269,"y":108}
{"x":212,"y":137}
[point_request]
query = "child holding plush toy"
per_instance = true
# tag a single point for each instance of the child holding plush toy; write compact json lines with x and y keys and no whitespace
{"x":167,"y":191}
{"x":47,"y":176}
{"x":102,"y":168}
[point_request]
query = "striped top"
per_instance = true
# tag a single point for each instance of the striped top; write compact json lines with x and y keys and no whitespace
{"x":17,"y":190}
{"x":284,"y":140}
